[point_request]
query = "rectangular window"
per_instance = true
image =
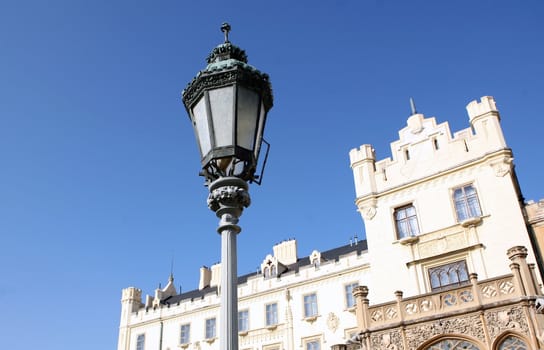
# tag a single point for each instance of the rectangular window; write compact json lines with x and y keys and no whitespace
{"x":140,"y":342}
{"x":350,"y":300}
{"x":271,"y":314}
{"x":210,"y":328}
{"x":185,"y":334}
{"x":406,"y":221}
{"x":313,"y":345}
{"x":448,"y":275}
{"x":243,"y":321}
{"x":466,"y":203}
{"x":310,"y":305}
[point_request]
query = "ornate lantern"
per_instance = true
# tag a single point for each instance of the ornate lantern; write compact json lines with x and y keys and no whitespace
{"x":227,"y":103}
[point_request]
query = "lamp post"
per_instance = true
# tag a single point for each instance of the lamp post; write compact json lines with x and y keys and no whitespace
{"x":227,"y":103}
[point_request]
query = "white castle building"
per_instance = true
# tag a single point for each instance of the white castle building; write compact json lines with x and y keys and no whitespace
{"x":433,"y":273}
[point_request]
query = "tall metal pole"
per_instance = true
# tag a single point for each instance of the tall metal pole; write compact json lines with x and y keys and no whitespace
{"x":228,"y":197}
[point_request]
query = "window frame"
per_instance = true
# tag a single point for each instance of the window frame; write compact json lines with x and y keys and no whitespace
{"x":310,"y":306}
{"x":208,"y":328}
{"x":271,"y":316}
{"x":349,"y":296}
{"x":312,"y":339}
{"x":187,"y":332}
{"x":460,"y":282}
{"x":246,"y":319}
{"x":407,"y":220}
{"x":465,"y":202}
{"x":140,"y":345}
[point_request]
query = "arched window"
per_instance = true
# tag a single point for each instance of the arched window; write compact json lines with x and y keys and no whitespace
{"x":448,"y":275}
{"x":273,"y":271}
{"x":513,"y":343}
{"x":452,"y":344}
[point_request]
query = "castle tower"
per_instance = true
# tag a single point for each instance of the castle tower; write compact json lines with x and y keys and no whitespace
{"x":441,"y":202}
{"x":131,"y":301}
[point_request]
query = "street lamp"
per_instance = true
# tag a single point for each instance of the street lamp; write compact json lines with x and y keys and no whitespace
{"x":227,"y":103}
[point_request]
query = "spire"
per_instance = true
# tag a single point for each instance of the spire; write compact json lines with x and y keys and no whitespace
{"x":171,"y":278}
{"x":413,"y":106}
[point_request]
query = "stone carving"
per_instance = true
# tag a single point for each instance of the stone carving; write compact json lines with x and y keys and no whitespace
{"x":470,"y":325}
{"x":377,"y":316}
{"x":502,"y":166}
{"x":332,"y":322}
{"x":507,"y":287}
{"x":228,"y":195}
{"x":507,"y":319}
{"x":391,"y":313}
{"x":369,"y":212}
{"x":386,"y":341}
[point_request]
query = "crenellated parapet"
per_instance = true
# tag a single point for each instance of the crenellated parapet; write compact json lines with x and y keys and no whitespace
{"x":426,"y":149}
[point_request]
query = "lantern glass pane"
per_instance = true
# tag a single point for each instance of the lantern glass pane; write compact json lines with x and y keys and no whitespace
{"x":248,"y":114}
{"x":221,"y":105}
{"x":201,"y":126}
{"x":259,"y":138}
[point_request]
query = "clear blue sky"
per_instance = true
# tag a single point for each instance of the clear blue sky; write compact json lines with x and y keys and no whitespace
{"x":98,"y":180}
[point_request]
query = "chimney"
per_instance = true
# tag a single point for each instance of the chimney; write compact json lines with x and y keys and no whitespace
{"x":205,"y":277}
{"x":286,"y":252}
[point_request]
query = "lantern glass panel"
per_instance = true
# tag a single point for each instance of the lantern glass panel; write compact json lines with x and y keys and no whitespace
{"x":262,"y":120}
{"x":201,"y":126}
{"x":221,"y":105}
{"x":248,"y":114}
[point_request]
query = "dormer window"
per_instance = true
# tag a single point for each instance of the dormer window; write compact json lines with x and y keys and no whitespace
{"x":271,"y":267}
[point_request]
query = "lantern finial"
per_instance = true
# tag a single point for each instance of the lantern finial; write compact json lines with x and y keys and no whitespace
{"x":225,"y":28}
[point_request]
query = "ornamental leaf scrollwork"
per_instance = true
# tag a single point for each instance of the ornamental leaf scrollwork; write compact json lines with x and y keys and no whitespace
{"x":230,"y":196}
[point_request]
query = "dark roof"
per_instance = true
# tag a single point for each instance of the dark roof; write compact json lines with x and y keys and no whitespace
{"x":329,"y":255}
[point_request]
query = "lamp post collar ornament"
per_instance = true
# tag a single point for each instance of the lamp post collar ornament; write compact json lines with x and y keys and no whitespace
{"x":232,"y":194}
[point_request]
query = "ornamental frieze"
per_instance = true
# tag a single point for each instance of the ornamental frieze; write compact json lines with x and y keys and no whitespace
{"x":469,"y":325}
{"x":386,"y":341}
{"x":506,"y":319}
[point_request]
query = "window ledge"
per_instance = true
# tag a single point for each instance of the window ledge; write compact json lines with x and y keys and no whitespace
{"x":409,"y":240}
{"x":209,"y":340}
{"x":184,"y":345}
{"x":471,"y":222}
{"x":242,"y":333}
{"x":310,"y":319}
{"x":272,"y":327}
{"x":351,"y":309}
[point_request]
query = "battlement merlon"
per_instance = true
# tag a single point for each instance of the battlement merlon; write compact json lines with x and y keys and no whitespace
{"x":485,"y":121}
{"x":362,"y":162}
{"x":486,"y":105}
{"x":131,"y":300}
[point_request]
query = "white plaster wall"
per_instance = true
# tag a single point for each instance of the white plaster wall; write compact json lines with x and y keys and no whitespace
{"x":327,"y":281}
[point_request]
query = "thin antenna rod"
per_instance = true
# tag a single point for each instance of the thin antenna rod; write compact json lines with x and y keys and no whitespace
{"x":172,"y":268}
{"x":413,"y":106}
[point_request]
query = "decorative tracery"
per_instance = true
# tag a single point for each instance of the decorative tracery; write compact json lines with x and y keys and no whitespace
{"x":513,"y":343}
{"x":453,"y":344}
